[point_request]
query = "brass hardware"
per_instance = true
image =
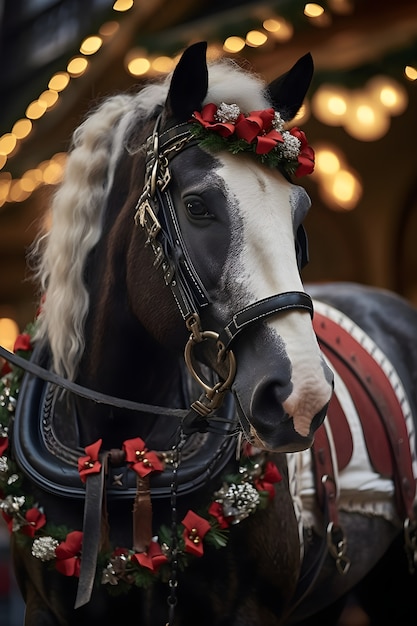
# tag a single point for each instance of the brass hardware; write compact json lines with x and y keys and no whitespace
{"x":146,"y":217}
{"x":337,"y":545}
{"x":213,"y":396}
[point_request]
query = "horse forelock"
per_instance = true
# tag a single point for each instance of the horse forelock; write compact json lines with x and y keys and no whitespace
{"x":77,"y":206}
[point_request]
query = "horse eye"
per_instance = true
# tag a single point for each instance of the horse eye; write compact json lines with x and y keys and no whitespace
{"x":196,"y":208}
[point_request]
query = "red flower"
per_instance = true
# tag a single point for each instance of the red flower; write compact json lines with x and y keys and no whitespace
{"x":23,"y":342}
{"x":216,"y":510}
{"x":152,"y":559}
{"x":68,"y":554}
{"x":4,"y":444}
{"x":90,"y":464}
{"x":207,"y":119}
{"x":270,"y":476}
{"x":306,"y":156}
{"x":35,"y":520}
{"x":142,"y":460}
{"x":196,"y":528}
{"x":5,"y":368}
{"x":258,"y":126}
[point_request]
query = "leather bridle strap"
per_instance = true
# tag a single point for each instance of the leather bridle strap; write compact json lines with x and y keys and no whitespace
{"x":279,"y":303}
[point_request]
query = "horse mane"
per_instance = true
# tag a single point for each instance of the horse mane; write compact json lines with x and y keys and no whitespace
{"x":59,"y":255}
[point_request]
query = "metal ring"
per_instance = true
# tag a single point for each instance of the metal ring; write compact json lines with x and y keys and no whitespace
{"x":221,"y":386}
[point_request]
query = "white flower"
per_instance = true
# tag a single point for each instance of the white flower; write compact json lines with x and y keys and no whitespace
{"x":278,"y":122}
{"x":227,"y":113}
{"x":3,"y":465}
{"x":292,"y":145}
{"x":238,"y":501}
{"x":43,"y":548}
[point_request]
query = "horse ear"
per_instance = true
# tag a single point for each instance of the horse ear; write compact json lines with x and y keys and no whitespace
{"x":288,"y":91}
{"x":189,"y":83}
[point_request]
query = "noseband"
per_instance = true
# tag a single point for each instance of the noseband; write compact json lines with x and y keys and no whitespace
{"x":155,"y":213}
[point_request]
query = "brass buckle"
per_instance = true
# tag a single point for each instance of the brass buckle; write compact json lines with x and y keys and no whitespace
{"x":213,"y":395}
{"x":337,"y":544}
{"x":146,"y":217}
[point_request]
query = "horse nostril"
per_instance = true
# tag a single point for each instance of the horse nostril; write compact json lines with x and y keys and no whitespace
{"x":266,"y":406}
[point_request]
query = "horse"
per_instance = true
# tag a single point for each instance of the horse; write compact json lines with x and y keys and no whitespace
{"x":170,"y":278}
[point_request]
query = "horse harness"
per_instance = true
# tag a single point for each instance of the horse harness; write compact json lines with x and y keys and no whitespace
{"x":155,"y":212}
{"x":39,"y":459}
{"x":386,"y":420}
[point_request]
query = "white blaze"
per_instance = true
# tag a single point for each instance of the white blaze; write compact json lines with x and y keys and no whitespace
{"x":267,"y":266}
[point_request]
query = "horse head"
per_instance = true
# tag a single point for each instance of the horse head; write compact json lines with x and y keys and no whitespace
{"x":203,"y":162}
{"x":231,"y":254}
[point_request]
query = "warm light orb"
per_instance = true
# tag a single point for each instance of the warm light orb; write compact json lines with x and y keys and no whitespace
{"x":36,"y":109}
{"x":330,"y":104}
{"x":234,"y":44}
{"x":280,"y":29}
{"x":49,"y":97}
{"x":108,"y":29}
{"x":59,"y":81}
{"x":5,"y":183}
{"x":390,"y":93}
{"x":327,"y":161}
{"x":77,"y":66}
{"x":410,"y":72}
{"x":9,"y":331}
{"x":312,"y":9}
{"x":7,"y":143}
{"x":16,"y":192}
{"x":138,"y":66}
{"x":366,"y":119}
{"x":255,"y":38}
{"x":22,"y":128}
{"x":91,"y":45}
{"x":162,"y":64}
{"x":52,"y":174}
{"x":346,"y":189}
{"x":122,"y":5}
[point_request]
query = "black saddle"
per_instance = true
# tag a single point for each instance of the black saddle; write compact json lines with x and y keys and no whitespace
{"x":46,"y":449}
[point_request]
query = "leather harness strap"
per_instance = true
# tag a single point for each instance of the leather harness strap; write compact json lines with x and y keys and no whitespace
{"x":279,"y":303}
{"x":377,"y":404}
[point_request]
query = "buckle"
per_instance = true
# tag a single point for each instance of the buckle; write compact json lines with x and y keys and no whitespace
{"x":145,"y":217}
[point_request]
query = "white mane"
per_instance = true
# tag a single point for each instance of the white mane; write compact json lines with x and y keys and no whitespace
{"x":78,"y":203}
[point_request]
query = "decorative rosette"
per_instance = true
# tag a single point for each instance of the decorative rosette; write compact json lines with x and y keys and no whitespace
{"x":261,"y":133}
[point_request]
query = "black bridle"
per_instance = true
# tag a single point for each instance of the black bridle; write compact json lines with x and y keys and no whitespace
{"x":155,"y":213}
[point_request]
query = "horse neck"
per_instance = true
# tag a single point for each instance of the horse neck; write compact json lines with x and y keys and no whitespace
{"x":122,"y":359}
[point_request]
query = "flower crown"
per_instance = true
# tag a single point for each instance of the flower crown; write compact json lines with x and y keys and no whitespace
{"x":261,"y":132}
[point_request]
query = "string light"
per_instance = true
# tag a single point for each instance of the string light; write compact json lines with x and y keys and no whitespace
{"x":336,"y":111}
{"x":233,"y":44}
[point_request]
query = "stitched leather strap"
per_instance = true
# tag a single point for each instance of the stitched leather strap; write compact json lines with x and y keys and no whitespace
{"x":279,"y":303}
{"x":94,"y":494}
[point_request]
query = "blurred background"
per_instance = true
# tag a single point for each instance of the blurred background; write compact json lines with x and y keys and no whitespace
{"x":58,"y":57}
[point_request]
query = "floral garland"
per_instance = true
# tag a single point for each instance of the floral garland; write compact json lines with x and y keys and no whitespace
{"x":261,"y":133}
{"x":240,"y":495}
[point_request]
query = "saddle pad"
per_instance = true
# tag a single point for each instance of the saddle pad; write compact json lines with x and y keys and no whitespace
{"x":52,"y":464}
